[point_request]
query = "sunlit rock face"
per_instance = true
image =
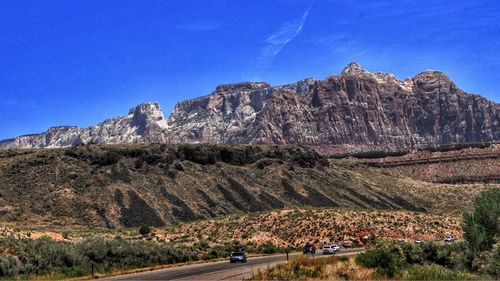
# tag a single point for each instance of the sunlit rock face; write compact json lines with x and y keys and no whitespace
{"x":144,"y":123}
{"x":355,"y":109}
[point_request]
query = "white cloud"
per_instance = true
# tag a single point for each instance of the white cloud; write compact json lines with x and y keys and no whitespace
{"x":279,"y":39}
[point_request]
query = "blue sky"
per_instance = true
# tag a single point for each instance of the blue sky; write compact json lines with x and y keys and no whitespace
{"x":79,"y":62}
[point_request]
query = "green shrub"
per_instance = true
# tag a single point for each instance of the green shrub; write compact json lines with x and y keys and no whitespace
{"x":436,"y":272}
{"x":493,"y":267}
{"x":201,"y":245}
{"x":110,"y":157}
{"x":387,"y":261}
{"x":414,"y":254}
{"x":9,"y":266}
{"x":217,"y":251}
{"x":269,"y":248}
{"x":44,"y":256}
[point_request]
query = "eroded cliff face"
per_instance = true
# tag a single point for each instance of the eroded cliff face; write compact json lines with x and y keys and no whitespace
{"x":354,"y":110}
{"x":143,"y":124}
{"x":228,"y":114}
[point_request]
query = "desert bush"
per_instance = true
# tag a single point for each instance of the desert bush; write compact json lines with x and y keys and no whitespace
{"x":436,"y":272}
{"x":299,"y":268}
{"x":179,"y":167}
{"x":134,"y":152}
{"x":413,"y":254}
{"x":217,"y":251}
{"x":44,"y":256}
{"x":269,"y":248}
{"x":153,"y":159}
{"x":204,"y":155}
{"x":374,"y":154}
{"x":144,"y":230}
{"x":264,"y":163}
{"x":493,"y":267}
{"x":9,"y":266}
{"x":110,"y":157}
{"x":201,"y":245}
{"x":457,"y":146}
{"x":387,"y":261}
{"x":447,"y":255}
{"x":240,"y":155}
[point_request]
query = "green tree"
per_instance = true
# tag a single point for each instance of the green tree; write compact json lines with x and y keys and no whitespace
{"x":482,"y":226}
{"x":487,"y":214}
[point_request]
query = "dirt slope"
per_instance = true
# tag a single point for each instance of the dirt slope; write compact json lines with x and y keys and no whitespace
{"x":132,"y":185}
{"x":296,"y":227}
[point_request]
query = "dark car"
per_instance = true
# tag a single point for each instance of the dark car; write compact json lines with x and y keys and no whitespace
{"x":309,"y":249}
{"x":238,"y":257}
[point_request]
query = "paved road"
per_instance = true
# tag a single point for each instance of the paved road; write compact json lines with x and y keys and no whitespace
{"x":221,"y":270}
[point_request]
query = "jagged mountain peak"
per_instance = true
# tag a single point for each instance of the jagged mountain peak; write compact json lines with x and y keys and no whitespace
{"x":148,"y":110}
{"x":354,"y":68}
{"x":431,"y":75}
{"x":242,"y":86}
{"x":145,"y":107}
{"x":146,"y":115}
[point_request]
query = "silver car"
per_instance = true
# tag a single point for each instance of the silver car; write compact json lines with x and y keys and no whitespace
{"x":449,"y":239}
{"x":330,"y":249}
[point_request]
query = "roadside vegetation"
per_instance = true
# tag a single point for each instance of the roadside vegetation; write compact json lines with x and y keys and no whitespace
{"x":27,"y":258}
{"x":63,"y":253}
{"x":27,"y":255}
{"x":74,"y":254}
{"x":476,"y":258}
{"x":305,"y":268}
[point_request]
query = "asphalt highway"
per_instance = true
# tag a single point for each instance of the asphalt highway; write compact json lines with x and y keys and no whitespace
{"x":221,"y":270}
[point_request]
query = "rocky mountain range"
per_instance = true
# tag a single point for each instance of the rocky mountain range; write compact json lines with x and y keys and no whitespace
{"x":355,"y":109}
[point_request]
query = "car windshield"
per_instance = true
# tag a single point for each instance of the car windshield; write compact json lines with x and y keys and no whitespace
{"x":237,"y":254}
{"x":326,"y":247}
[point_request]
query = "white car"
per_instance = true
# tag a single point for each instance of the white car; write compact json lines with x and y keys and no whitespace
{"x":330,"y":249}
{"x":449,"y":239}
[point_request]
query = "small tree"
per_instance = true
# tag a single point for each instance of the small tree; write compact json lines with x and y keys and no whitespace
{"x":482,"y":226}
{"x":487,"y":214}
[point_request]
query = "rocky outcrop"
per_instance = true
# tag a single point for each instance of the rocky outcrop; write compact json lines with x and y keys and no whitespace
{"x":354,"y":110}
{"x":144,"y":123}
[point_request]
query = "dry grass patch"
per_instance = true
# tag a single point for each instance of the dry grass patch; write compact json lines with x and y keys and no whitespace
{"x":305,"y":268}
